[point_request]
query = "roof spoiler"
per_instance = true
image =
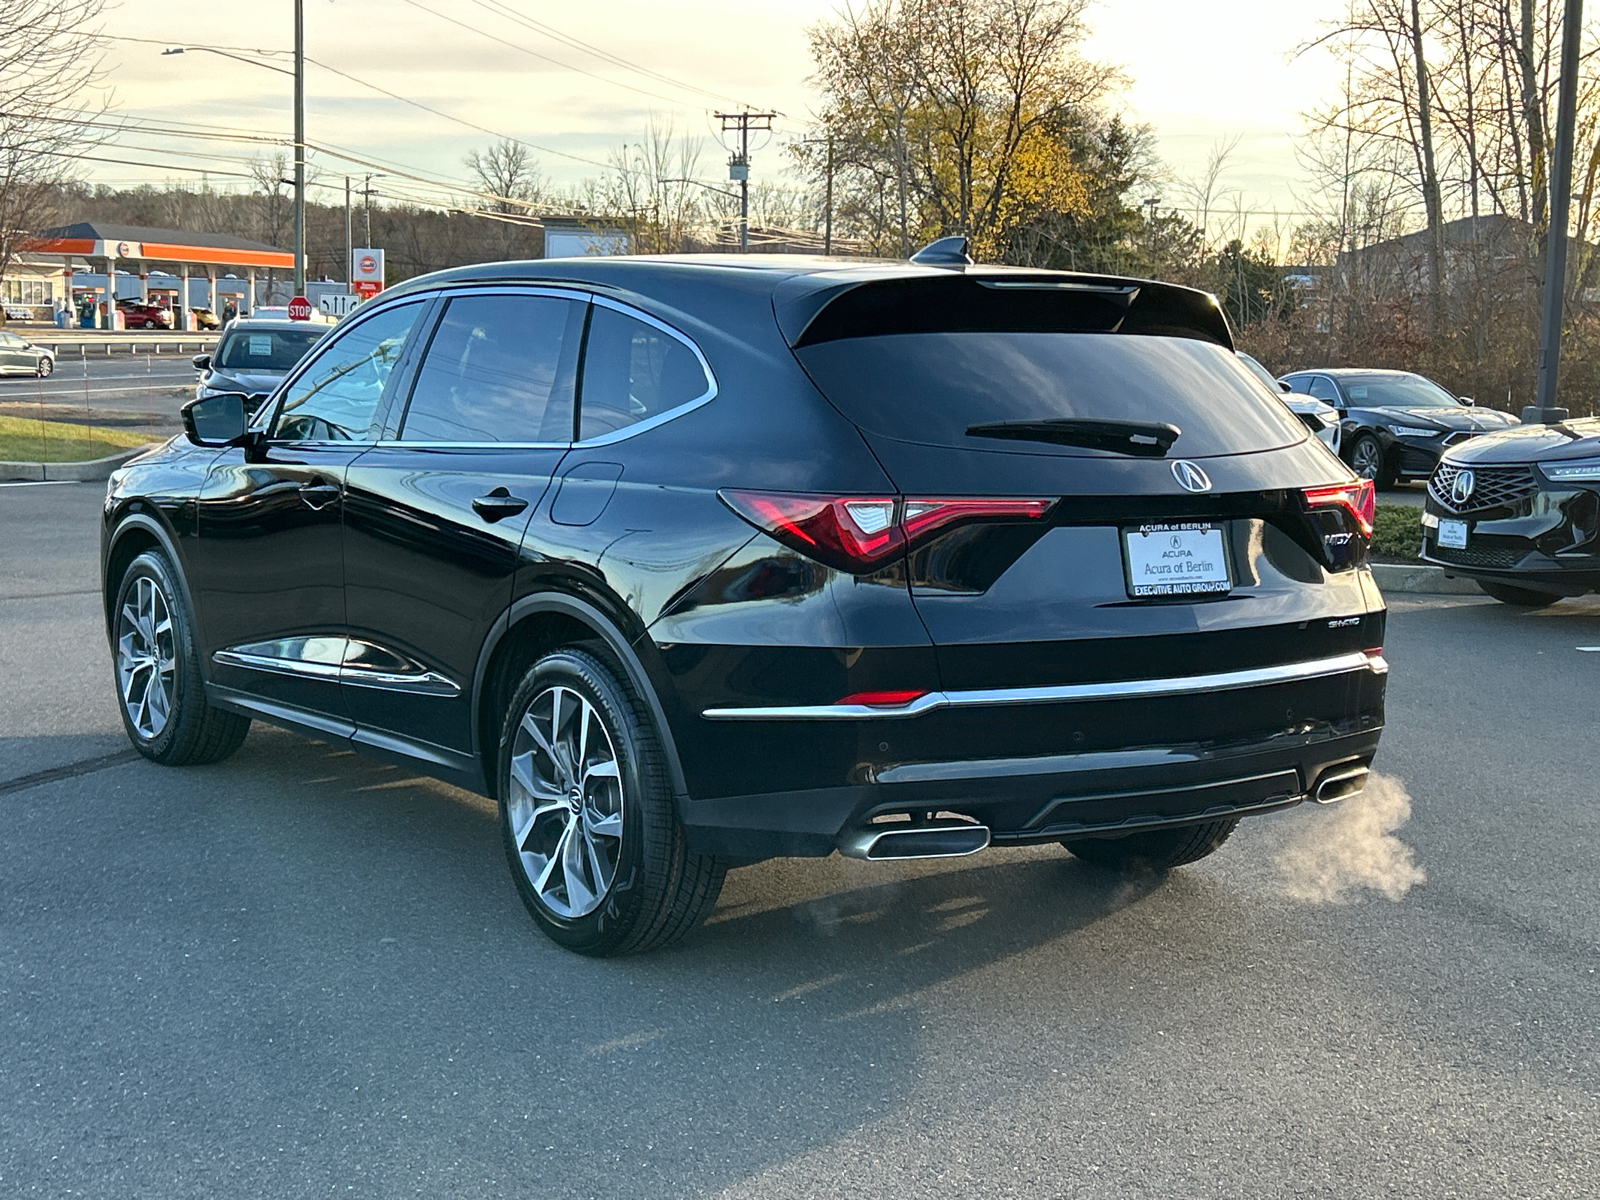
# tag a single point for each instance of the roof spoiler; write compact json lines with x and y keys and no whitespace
{"x":827,"y":308}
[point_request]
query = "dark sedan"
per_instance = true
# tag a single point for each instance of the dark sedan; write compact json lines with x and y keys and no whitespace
{"x":1519,"y":512}
{"x":1395,"y":424}
{"x":692,"y":562}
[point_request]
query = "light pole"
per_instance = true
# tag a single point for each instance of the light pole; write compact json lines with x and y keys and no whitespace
{"x":299,"y":76}
{"x":1544,"y":411}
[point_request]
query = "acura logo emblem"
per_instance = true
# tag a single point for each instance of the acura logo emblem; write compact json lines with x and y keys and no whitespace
{"x":1461,"y":489}
{"x":1190,"y":477}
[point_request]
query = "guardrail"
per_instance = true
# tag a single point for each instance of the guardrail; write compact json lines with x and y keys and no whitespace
{"x":92,"y":344}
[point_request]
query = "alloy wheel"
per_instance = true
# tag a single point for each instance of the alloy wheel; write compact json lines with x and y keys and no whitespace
{"x":565,"y":802}
{"x":146,"y":657}
{"x":1366,"y":458}
{"x":45,"y":367}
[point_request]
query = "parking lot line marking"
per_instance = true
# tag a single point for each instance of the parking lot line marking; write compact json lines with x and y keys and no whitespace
{"x":69,"y":771}
{"x":39,"y":482}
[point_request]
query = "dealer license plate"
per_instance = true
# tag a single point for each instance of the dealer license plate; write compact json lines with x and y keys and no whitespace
{"x":1176,"y":560}
{"x":1452,"y":534}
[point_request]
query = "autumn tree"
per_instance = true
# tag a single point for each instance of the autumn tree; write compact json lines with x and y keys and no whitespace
{"x":955,"y":116}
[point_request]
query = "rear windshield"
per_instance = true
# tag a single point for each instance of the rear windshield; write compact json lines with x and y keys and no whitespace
{"x":265,"y":349}
{"x":928,"y":387}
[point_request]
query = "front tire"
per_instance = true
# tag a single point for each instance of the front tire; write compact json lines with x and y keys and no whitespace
{"x":1156,"y":850}
{"x":1369,"y":462}
{"x":46,"y":367}
{"x":1516,"y":596}
{"x":588,"y":817}
{"x":156,"y":660}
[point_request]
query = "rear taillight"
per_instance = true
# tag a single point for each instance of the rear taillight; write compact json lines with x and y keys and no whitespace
{"x":1359,"y":499}
{"x":860,"y":534}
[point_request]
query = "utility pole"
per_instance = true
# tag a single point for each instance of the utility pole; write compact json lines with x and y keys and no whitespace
{"x":299,"y":148}
{"x":1151,"y":204}
{"x":366,"y":195}
{"x":739,"y":163}
{"x":827,"y":210}
{"x":349,"y":246}
{"x":1543,"y":410}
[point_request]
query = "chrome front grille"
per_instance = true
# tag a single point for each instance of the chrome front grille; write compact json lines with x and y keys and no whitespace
{"x":1492,"y":487}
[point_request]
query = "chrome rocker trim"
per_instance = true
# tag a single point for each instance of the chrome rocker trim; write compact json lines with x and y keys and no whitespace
{"x":338,"y":660}
{"x":1184,"y":685}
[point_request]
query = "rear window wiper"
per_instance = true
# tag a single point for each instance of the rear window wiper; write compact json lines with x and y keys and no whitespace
{"x":1150,"y":439}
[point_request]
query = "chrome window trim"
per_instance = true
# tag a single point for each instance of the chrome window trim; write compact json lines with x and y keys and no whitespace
{"x":1339,"y":664}
{"x":588,"y":297}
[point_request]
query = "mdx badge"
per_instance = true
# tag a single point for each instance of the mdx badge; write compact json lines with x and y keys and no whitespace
{"x":1190,"y":477}
{"x":1461,"y":489}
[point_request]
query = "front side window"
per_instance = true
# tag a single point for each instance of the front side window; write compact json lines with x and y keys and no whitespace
{"x":1322,"y":388}
{"x":336,"y":396}
{"x":498,"y":369}
{"x":633,"y":371}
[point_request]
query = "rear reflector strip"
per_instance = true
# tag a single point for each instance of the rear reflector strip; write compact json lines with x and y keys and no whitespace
{"x":1121,"y":690}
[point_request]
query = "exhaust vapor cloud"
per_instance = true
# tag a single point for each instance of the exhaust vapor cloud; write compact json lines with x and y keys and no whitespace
{"x":1334,"y":854}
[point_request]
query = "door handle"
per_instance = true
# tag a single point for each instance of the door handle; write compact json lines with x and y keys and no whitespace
{"x":319,"y":495}
{"x":498,"y":505}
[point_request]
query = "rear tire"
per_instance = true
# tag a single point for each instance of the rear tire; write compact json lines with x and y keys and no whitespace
{"x":156,"y":661}
{"x":1517,"y":597}
{"x":588,"y":817}
{"x":1157,"y":850}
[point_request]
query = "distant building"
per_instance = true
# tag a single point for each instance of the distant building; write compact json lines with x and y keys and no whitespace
{"x":580,"y":236}
{"x":1491,"y":253}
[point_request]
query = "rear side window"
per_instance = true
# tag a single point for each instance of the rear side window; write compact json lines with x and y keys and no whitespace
{"x":498,"y":369}
{"x":929,"y":387}
{"x":633,"y":371}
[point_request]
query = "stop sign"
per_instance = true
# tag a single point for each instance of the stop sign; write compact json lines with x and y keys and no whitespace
{"x":299,"y":309}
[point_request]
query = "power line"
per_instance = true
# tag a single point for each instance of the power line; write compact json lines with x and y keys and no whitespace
{"x":541,"y":57}
{"x":550,"y":31}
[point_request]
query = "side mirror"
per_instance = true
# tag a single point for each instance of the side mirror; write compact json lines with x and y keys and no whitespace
{"x":1468,"y":401}
{"x":219,"y":420}
{"x":202,"y":362}
{"x":1284,"y":387}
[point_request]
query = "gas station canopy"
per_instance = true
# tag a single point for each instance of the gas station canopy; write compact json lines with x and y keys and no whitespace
{"x":97,"y":240}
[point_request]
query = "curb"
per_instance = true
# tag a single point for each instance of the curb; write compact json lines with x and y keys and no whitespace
{"x":1422,"y":580}
{"x":80,"y":472}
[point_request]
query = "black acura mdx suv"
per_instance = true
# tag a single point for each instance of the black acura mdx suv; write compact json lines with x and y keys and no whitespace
{"x":693,"y":562}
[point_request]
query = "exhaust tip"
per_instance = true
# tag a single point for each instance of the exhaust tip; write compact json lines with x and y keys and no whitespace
{"x":1340,"y":783}
{"x":878,"y":843}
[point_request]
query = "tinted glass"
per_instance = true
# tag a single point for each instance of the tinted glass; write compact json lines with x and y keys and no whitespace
{"x":335,"y":398}
{"x":633,"y":371}
{"x":498,"y":369}
{"x":1322,"y":388}
{"x":10,"y":339}
{"x":265,"y":349}
{"x":929,"y":387}
{"x":1397,"y":391}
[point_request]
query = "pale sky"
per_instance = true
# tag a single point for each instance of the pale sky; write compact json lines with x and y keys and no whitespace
{"x":1200,"y":71}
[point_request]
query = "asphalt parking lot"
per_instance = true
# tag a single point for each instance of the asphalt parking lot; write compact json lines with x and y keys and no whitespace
{"x":300,"y":973}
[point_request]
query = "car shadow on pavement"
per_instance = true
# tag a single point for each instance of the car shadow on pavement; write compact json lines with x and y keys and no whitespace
{"x":334,"y":945}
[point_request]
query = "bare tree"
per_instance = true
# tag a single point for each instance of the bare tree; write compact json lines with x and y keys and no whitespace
{"x":49,"y":94}
{"x":508,"y":176}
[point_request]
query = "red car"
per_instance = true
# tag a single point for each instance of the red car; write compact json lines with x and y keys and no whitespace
{"x":138,"y":314}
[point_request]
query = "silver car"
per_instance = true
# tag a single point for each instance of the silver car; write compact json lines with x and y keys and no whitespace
{"x":18,"y":356}
{"x":1322,"y":419}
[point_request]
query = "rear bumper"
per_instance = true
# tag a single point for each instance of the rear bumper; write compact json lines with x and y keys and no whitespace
{"x":1085,"y":765}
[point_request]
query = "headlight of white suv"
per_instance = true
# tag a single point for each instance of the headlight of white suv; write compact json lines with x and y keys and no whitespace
{"x":1413,"y":431}
{"x":1588,"y":468}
